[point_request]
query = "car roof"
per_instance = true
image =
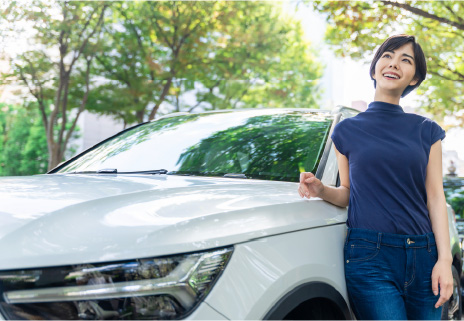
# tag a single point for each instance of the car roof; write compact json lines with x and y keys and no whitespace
{"x":346,"y":111}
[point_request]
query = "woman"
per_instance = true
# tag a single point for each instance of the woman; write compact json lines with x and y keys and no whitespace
{"x":397,"y":251}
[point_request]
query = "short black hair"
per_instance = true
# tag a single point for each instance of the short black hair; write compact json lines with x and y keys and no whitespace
{"x":394,"y":42}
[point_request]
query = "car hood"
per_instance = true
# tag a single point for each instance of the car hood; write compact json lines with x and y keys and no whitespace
{"x":50,"y":220}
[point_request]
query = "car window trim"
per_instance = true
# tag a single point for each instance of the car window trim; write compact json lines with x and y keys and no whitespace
{"x":328,"y":145}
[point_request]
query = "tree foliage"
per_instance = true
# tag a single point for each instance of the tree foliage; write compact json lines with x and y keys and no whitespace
{"x":56,"y":69}
{"x":259,"y":149}
{"x":23,"y":144}
{"x":357,"y":28}
{"x":227,"y":54}
{"x":129,"y":59}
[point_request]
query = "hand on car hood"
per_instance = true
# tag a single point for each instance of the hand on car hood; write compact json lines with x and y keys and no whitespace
{"x":50,"y":220}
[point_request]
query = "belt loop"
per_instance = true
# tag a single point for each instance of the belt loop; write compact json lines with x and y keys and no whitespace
{"x":428,"y":243}
{"x":379,"y":239}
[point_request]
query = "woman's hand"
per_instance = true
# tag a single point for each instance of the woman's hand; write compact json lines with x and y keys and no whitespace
{"x":441,"y":274}
{"x":310,"y":186}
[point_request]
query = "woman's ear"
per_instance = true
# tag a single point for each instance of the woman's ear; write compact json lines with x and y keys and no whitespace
{"x":414,"y":81}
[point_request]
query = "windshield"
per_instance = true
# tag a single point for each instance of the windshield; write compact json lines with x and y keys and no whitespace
{"x":261,"y":144}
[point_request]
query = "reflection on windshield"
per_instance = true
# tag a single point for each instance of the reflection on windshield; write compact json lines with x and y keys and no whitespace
{"x":269,"y":146}
{"x":98,"y":158}
{"x":263,"y":144}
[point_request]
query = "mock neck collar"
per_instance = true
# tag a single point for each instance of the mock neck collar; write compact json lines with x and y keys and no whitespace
{"x":383,"y":106}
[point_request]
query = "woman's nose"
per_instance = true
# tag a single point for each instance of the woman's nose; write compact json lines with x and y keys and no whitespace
{"x":393,"y":64}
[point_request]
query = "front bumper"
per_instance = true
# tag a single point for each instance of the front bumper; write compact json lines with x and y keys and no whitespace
{"x":202,"y":312}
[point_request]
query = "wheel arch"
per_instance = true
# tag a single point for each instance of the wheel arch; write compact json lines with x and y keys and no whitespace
{"x":306,"y":292}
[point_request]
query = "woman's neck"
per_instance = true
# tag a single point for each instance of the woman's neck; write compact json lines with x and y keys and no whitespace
{"x":387,"y":98}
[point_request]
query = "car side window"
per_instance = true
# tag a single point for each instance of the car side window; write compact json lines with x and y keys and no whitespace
{"x":330,"y":176}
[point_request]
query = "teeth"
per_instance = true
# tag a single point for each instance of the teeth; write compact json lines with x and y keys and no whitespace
{"x":391,"y":76}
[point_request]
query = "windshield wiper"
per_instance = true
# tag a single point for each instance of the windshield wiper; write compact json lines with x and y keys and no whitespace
{"x":230,"y":175}
{"x":100,"y":171}
{"x":115,"y":171}
{"x":154,"y":171}
{"x":107,"y":171}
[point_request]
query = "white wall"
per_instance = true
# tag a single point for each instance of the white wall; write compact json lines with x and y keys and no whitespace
{"x":93,"y":129}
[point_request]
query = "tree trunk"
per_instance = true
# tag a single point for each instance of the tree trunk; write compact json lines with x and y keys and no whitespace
{"x":161,"y":99}
{"x":54,"y":154}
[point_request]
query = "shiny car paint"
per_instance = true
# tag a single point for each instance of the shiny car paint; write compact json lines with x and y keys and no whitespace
{"x":275,"y":266}
{"x":98,"y":218}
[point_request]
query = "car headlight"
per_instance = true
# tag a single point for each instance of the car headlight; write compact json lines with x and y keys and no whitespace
{"x":158,"y":288}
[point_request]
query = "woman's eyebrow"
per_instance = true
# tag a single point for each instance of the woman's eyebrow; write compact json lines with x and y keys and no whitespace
{"x":392,"y":51}
{"x":408,"y":56}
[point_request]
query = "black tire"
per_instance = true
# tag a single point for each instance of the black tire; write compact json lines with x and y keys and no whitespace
{"x":452,"y":309}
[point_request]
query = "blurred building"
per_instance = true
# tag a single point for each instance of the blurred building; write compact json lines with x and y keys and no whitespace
{"x":93,"y":129}
{"x":452,"y":164}
{"x":360,"y":105}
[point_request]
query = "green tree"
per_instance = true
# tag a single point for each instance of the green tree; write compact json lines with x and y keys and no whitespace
{"x":23,"y":144}
{"x":262,"y":59}
{"x":230,"y":54}
{"x":128,"y":58}
{"x":56,"y":71}
{"x":357,"y":28}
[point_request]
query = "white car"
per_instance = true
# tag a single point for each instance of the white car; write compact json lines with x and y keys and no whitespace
{"x":191,"y":216}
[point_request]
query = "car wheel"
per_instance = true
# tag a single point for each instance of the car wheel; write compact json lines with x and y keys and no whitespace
{"x":452,"y":309}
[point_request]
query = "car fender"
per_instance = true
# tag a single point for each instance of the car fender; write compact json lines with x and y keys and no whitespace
{"x":304,"y":293}
{"x":263,"y":271}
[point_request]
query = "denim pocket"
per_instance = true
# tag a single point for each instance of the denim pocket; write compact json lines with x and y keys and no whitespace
{"x":362,"y":250}
{"x":433,"y":252}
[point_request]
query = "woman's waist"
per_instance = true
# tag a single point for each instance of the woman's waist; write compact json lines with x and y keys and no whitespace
{"x":391,"y":239}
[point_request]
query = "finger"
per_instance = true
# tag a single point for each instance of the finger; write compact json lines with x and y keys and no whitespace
{"x":448,"y":291}
{"x":305,"y":190}
{"x":305,"y":175}
{"x":435,"y":284}
{"x":440,"y":302}
{"x":310,"y":180}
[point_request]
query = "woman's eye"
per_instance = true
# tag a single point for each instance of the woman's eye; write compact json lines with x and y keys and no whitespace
{"x":407,"y":60}
{"x":386,"y":55}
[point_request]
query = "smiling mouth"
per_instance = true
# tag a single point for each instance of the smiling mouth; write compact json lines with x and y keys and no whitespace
{"x":391,"y":76}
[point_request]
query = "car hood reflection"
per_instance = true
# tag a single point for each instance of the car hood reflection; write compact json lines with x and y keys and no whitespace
{"x":49,"y":220}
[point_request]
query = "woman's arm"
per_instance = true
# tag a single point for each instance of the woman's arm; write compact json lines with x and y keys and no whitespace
{"x":310,"y":186}
{"x":436,"y":204}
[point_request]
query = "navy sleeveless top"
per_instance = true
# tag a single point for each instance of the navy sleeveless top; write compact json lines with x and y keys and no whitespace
{"x":388,"y":152}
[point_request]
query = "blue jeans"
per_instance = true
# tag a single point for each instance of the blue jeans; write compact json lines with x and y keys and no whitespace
{"x":389,"y":276}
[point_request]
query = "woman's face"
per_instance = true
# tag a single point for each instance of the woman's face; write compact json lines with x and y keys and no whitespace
{"x":395,"y":70}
